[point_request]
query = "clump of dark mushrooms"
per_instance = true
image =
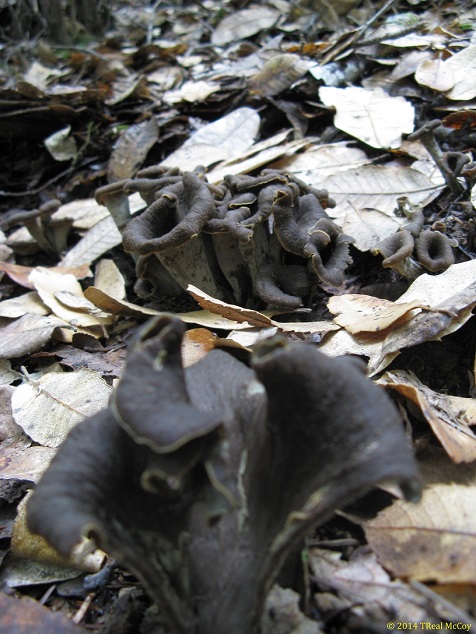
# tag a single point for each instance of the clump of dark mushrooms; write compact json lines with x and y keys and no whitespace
{"x":434,"y":251}
{"x":252,"y":240}
{"x":204,"y":481}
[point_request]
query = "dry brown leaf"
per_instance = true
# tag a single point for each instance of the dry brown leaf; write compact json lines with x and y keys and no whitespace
{"x":102,"y":237}
{"x":27,"y":334}
{"x":450,"y":76}
{"x":370,"y":115}
{"x":450,"y":417}
{"x":23,"y":304}
{"x":20,"y":274}
{"x":223,"y":139}
{"x":277,"y":75}
{"x":131,"y":148}
{"x":377,"y":187}
{"x":49,"y":408}
{"x":368,"y":227}
{"x":245,"y":23}
{"x":115,"y":306}
{"x":64,"y":296}
{"x":196,"y":344}
{"x":362,"y":583}
{"x":25,"y":615}
{"x":229,"y":311}
{"x":434,"y":540}
{"x":29,"y":464}
{"x":108,"y":278}
{"x":363,"y":313}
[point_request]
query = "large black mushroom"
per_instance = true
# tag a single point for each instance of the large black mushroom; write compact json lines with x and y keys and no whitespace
{"x":252,"y":240}
{"x":204,"y":481}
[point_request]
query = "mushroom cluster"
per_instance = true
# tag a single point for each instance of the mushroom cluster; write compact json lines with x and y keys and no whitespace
{"x":204,"y":481}
{"x":252,"y":240}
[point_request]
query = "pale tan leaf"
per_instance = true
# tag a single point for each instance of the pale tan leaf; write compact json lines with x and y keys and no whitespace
{"x":245,"y":23}
{"x":259,"y":154}
{"x":27,"y":334}
{"x":223,"y":139}
{"x":108,"y":278}
{"x":26,"y":303}
{"x":378,"y":187}
{"x":61,"y":146}
{"x":434,"y":540}
{"x":229,"y":311}
{"x":84,"y":213}
{"x":278,"y":74}
{"x":364,"y":313}
{"x":451,"y":76}
{"x":317,"y":162}
{"x":20,"y":274}
{"x":369,"y":226}
{"x":435,"y":74}
{"x":49,"y":408}
{"x":64,"y":296}
{"x":362,"y":581}
{"x":450,"y":417}
{"x":7,"y":376}
{"x":28,"y":464}
{"x":131,"y":148}
{"x":102,"y":237}
{"x":191,"y":91}
{"x":115,"y":306}
{"x":370,"y":115}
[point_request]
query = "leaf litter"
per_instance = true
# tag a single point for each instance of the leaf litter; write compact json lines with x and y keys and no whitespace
{"x":221,"y":112}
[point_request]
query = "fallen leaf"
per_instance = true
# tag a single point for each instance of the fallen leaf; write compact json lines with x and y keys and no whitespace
{"x":27,"y":334}
{"x":61,"y":146}
{"x":450,"y":76}
{"x":109,"y":279}
{"x":227,"y":137}
{"x":49,"y":408}
{"x":28,"y":465}
{"x":277,"y":75}
{"x":450,"y":417}
{"x":131,"y":149}
{"x":26,"y":303}
{"x":24,"y":615}
{"x":363,"y":313}
{"x":229,"y":311}
{"x":196,"y":344}
{"x":434,"y":540}
{"x":102,"y":237}
{"x":239,"y":25}
{"x":191,"y":91}
{"x":21,"y":274}
{"x":64,"y":296}
{"x":363,"y":580}
{"x":377,"y":187}
{"x":368,"y":227}
{"x":370,"y":115}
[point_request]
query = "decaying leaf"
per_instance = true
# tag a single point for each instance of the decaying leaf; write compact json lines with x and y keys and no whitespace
{"x":450,"y":76}
{"x":378,"y":187}
{"x":102,"y":237}
{"x":277,"y":75}
{"x":363,"y":313}
{"x":131,"y":148}
{"x":450,"y":417}
{"x":27,"y":334}
{"x":64,"y":296}
{"x":223,"y":139}
{"x":19,"y":306}
{"x":26,"y":464}
{"x":49,"y":408}
{"x":193,"y":452}
{"x":244,"y":23}
{"x":450,"y":297}
{"x":21,"y":615}
{"x":370,"y":115}
{"x":434,"y":540}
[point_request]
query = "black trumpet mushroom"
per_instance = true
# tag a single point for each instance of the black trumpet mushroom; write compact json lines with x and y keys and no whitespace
{"x":203,"y":481}
{"x":243,"y":241}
